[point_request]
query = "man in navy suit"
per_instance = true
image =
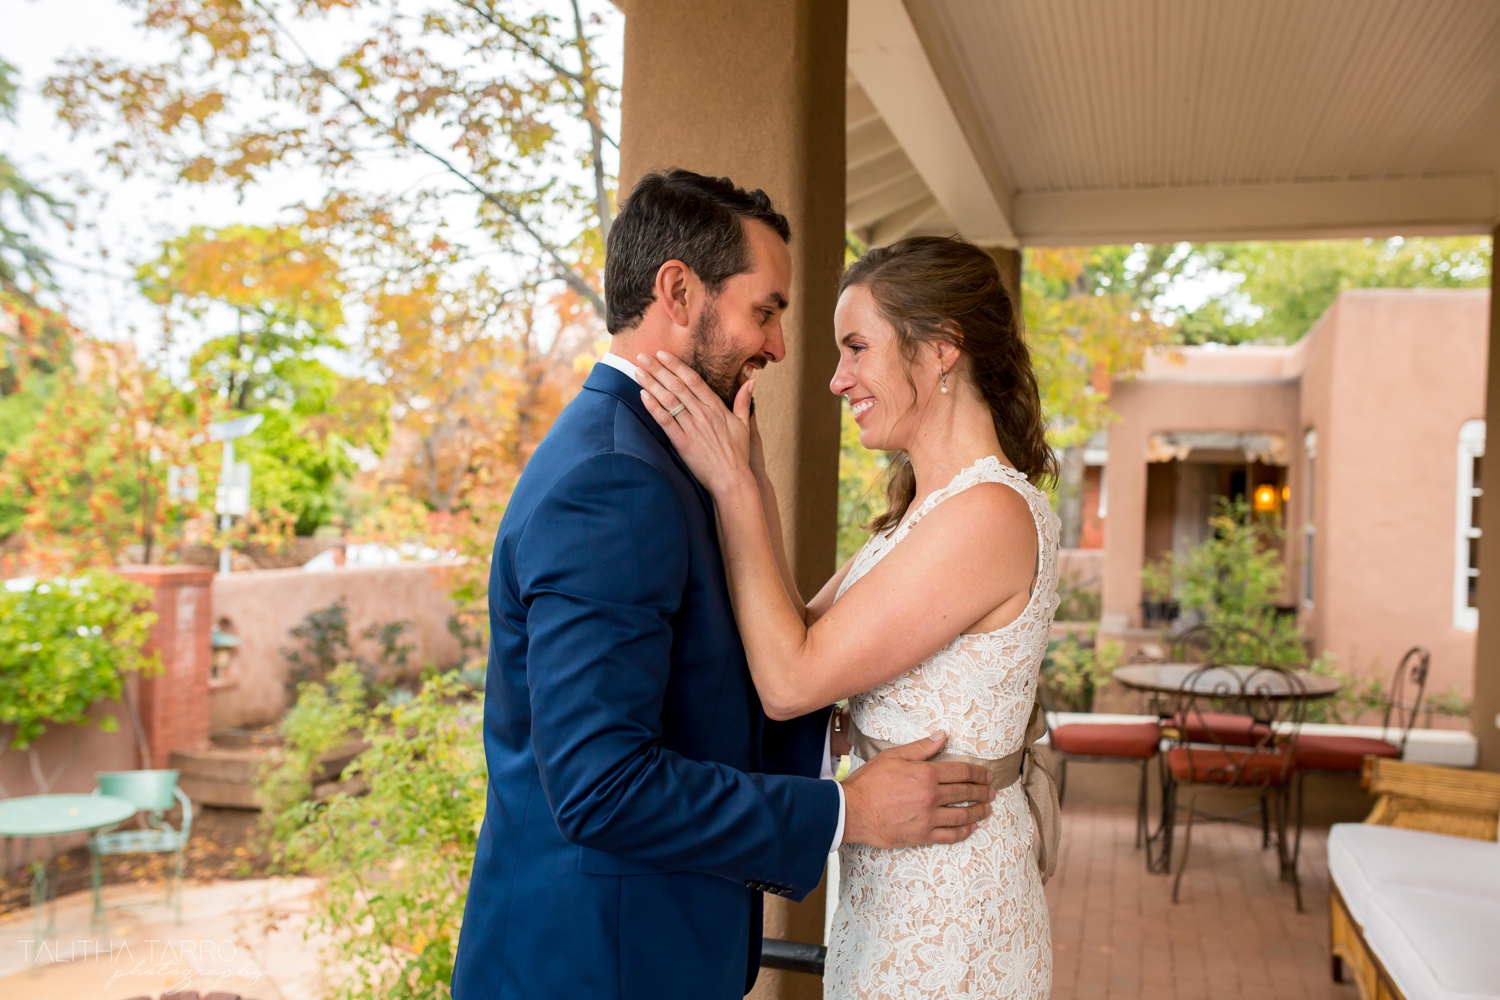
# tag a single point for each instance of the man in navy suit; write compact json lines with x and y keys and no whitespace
{"x":639,"y":800}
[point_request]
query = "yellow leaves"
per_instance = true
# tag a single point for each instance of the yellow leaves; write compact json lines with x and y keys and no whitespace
{"x":1081,"y":343}
{"x":250,"y":268}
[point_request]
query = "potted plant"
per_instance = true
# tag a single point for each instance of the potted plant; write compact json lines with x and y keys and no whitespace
{"x":1158,"y":606}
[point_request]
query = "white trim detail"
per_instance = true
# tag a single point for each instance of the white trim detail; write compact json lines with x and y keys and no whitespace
{"x":1470,"y":448}
{"x":1309,"y":528}
{"x":887,"y":58}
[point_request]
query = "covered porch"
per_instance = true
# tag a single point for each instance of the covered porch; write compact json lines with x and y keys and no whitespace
{"x":1020,"y":124}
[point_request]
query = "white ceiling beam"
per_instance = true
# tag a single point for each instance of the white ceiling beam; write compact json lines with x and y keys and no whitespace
{"x":887,"y":58}
{"x":907,"y":221}
{"x":1297,"y":210}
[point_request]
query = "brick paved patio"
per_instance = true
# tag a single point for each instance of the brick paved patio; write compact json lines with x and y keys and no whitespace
{"x":1236,"y":935}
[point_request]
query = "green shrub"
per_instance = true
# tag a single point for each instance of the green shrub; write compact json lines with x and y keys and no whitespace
{"x":66,"y":644}
{"x":1234,"y":580}
{"x":396,"y":860}
{"x":1074,"y":670}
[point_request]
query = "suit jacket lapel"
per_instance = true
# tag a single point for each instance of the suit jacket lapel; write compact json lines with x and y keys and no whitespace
{"x":615,"y":382}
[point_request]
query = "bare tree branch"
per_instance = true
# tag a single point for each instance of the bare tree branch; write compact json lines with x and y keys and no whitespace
{"x":564,"y":269}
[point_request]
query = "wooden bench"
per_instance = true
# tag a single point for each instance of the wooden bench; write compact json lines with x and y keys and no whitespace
{"x":1420,"y":798}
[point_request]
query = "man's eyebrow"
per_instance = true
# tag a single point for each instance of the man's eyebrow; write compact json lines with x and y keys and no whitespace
{"x":776,"y":299}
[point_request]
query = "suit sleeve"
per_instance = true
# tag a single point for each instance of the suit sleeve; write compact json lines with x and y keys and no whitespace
{"x":602,"y":565}
{"x":796,"y":746}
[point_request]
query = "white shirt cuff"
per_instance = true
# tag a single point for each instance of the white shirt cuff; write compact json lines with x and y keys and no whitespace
{"x":827,"y":772}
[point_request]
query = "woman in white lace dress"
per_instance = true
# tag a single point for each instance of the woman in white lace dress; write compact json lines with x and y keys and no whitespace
{"x":938,"y":624}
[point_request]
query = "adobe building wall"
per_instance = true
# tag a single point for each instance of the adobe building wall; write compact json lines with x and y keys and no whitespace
{"x":1168,"y":402}
{"x":262,"y":608}
{"x":1386,"y":379}
{"x":1398,"y":374}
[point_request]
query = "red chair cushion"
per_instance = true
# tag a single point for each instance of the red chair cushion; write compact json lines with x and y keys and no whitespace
{"x":1217,"y":767}
{"x":1339,"y":753}
{"x":1135,"y":740}
{"x":1219,"y":727}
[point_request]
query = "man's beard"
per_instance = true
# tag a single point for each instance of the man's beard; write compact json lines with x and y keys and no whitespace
{"x":716,"y":360}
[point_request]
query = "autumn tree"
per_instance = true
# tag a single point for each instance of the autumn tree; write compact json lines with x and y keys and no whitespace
{"x":92,"y":474}
{"x":1085,"y":330}
{"x":504,"y":99}
{"x":270,"y":300}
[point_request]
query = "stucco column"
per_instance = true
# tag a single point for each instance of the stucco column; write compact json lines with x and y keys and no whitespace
{"x":754,"y":90}
{"x":1487,"y":643}
{"x":1009,"y":262}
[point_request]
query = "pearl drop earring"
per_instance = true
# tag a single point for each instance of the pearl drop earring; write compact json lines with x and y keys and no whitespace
{"x":945,"y":382}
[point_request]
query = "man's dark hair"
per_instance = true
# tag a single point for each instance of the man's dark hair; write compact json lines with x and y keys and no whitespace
{"x":680,"y":215}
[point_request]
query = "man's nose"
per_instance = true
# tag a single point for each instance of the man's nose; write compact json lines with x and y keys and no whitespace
{"x":775,"y":345}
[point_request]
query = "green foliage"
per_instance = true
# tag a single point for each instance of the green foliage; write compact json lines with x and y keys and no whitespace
{"x":327,"y":715}
{"x":1450,"y":703}
{"x":395,"y":861}
{"x":1357,"y":696}
{"x":1074,"y":670}
{"x":66,"y":644}
{"x":860,"y":496}
{"x":326,"y":646}
{"x":295,"y":468}
{"x":1079,"y":601}
{"x":22,"y":204}
{"x":1290,"y":285}
{"x":1234,"y":580}
{"x":1157,"y":579}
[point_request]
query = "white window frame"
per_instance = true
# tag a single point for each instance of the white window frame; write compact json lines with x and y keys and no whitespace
{"x":1309,"y":528}
{"x":1470,"y":447}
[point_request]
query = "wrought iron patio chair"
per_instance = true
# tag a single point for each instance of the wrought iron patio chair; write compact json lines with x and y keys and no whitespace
{"x":152,"y":793}
{"x":1134,"y":743}
{"x":1346,"y":754}
{"x":1219,"y":763}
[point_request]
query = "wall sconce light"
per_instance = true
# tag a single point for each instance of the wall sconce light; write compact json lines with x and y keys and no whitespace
{"x":1286,"y":494}
{"x":1265,"y":499}
{"x":225,"y":644}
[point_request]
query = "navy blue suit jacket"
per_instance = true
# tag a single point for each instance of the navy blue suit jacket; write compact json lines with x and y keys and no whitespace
{"x":639,"y":799}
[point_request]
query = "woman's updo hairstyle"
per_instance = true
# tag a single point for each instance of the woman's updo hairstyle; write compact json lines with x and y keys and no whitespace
{"x":943,"y":289}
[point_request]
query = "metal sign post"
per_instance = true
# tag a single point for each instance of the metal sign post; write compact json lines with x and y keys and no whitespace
{"x":232,"y":499}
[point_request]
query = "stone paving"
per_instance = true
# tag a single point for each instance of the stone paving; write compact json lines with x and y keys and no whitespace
{"x":237,"y":938}
{"x":1236,"y":935}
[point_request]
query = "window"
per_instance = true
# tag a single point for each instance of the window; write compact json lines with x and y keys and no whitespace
{"x":1466,"y":551}
{"x":1309,"y":531}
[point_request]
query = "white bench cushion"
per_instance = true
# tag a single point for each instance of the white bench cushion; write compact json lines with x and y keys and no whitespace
{"x":1428,"y":904}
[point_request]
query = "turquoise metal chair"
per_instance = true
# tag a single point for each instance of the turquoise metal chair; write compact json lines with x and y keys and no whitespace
{"x":152,"y":792}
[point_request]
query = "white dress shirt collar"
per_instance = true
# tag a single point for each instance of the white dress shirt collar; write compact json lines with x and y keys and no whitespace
{"x":619,"y":364}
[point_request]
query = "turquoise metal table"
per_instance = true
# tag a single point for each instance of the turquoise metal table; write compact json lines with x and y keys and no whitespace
{"x":51,"y":816}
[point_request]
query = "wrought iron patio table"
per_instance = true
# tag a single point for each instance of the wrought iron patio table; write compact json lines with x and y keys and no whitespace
{"x":50,"y":816}
{"x":1166,"y":679}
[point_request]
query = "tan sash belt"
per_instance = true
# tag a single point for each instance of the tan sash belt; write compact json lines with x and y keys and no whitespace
{"x":1036,"y":782}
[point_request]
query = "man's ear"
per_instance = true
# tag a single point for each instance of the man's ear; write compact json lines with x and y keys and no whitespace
{"x":673,"y":281}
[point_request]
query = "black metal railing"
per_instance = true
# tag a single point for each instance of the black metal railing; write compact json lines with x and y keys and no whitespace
{"x":792,"y":956}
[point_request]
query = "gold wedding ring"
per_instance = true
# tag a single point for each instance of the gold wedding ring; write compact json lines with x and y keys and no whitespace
{"x":676,"y":409}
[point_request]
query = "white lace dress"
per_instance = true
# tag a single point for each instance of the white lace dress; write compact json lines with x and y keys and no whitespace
{"x":969,"y":919}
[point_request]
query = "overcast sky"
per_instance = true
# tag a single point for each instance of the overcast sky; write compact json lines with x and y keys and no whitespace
{"x":125,"y":221}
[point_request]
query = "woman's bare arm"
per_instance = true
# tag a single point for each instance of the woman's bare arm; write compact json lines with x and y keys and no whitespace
{"x":970,"y":558}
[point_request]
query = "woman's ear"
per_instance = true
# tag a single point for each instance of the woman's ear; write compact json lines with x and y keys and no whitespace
{"x":947,"y":355}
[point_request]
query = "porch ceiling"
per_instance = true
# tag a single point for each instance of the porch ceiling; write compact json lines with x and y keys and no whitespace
{"x":1097,"y":121}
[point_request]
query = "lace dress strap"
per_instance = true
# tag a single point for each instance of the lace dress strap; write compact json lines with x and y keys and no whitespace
{"x":988,"y":469}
